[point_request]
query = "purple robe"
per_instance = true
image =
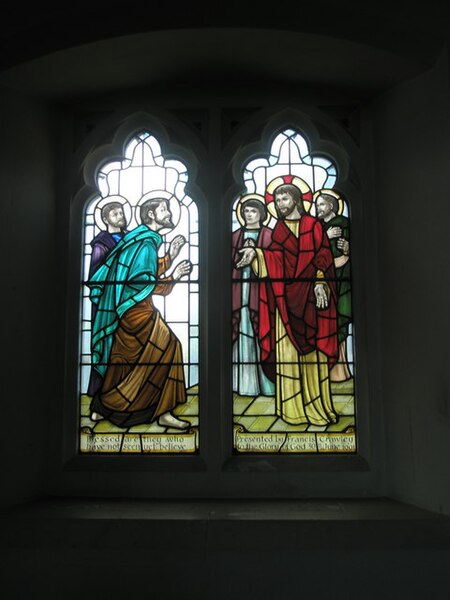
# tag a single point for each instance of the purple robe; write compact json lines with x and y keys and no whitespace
{"x":102,"y":245}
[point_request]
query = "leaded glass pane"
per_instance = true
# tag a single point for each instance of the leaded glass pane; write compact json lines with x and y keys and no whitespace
{"x":292,"y":330}
{"x":139,"y":311}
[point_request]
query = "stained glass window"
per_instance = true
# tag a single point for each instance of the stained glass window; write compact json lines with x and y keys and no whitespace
{"x":139,"y":339}
{"x":292,"y":331}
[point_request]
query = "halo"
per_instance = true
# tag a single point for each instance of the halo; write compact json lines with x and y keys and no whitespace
{"x":257,"y":197}
{"x":174,"y":206}
{"x":338,"y":197}
{"x":284,"y":179}
{"x":103,"y":202}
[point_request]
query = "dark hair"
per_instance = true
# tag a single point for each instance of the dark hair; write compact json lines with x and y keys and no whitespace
{"x":293,"y":191}
{"x":331,"y":200}
{"x":148,"y":205}
{"x":108,"y":208}
{"x":254,"y":204}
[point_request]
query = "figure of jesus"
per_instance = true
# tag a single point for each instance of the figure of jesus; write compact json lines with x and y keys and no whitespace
{"x":297,"y":311}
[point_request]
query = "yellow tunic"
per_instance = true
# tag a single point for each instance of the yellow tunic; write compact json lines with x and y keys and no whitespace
{"x":303,"y":392}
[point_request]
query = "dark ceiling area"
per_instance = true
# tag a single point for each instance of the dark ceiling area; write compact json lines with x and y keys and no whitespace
{"x":415,"y":32}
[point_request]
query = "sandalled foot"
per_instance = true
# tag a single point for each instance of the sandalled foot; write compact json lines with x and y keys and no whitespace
{"x":96,"y":417}
{"x":168,"y":420}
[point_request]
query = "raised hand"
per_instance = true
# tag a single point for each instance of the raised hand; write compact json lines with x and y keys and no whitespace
{"x":175,"y":246}
{"x":182,"y":269}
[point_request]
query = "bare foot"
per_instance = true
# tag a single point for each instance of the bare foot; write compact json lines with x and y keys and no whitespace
{"x":168,"y":420}
{"x":96,"y":417}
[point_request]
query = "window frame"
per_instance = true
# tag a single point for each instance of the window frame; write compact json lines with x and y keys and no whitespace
{"x":211,"y":472}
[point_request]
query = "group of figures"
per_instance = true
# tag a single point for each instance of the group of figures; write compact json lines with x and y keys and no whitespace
{"x":291,"y":302}
{"x":137,"y":366}
{"x":291,"y":310}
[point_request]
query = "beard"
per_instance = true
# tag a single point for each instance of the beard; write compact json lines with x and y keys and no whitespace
{"x":323,"y":213}
{"x":120,"y":223}
{"x":166,"y":222}
{"x":285,"y":211}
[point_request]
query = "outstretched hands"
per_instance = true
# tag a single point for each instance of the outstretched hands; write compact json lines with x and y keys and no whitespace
{"x":248,"y":254}
{"x":185,"y":266}
{"x":182,"y":269}
{"x":175,"y":246}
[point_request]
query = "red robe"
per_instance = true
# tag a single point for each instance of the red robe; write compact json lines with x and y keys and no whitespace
{"x":263,"y":241}
{"x":292,"y":266}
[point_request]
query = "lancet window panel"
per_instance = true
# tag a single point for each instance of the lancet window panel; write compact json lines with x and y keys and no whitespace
{"x":139,"y":338}
{"x":292,"y":326}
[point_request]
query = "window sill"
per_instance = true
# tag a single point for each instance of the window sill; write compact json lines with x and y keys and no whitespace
{"x":373,"y":513}
{"x":225,"y":549}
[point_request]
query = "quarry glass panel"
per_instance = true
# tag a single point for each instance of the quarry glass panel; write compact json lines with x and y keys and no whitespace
{"x":292,"y":330}
{"x":139,"y":338}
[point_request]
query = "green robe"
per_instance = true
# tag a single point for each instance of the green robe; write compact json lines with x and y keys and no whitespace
{"x":343,"y":276}
{"x":128,"y":276}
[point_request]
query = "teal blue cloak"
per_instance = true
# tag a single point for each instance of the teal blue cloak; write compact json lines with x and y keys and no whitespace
{"x":128,"y":276}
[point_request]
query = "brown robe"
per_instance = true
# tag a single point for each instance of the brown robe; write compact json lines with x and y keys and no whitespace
{"x":145,"y":376}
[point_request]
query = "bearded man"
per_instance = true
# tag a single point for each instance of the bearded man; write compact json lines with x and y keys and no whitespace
{"x":297,"y":311}
{"x":135,"y":352}
{"x":113,"y":217}
{"x":337,"y":228}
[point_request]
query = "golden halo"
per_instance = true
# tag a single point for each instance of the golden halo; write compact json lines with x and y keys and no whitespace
{"x":173,"y":202}
{"x":285,"y":179}
{"x":103,"y":202}
{"x":338,"y":197}
{"x":244,"y":199}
